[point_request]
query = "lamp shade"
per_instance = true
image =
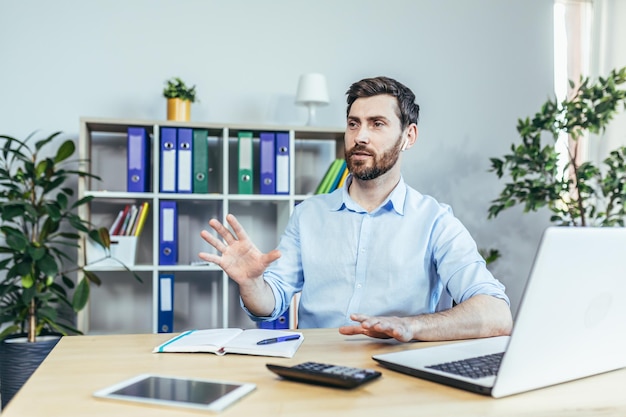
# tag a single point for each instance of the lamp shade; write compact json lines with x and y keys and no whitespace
{"x":312,"y":89}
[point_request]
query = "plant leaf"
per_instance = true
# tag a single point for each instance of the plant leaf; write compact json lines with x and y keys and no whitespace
{"x":81,"y":295}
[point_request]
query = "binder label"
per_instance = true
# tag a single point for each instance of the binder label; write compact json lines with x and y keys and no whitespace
{"x":168,"y":225}
{"x":166,"y":294}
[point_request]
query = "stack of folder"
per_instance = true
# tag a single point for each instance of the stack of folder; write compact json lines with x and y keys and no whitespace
{"x":334,"y":178}
{"x":168,"y":255}
{"x":186,"y":164}
{"x":273,"y":163}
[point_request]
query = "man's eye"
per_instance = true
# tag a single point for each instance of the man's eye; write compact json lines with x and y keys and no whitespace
{"x":378,"y":124}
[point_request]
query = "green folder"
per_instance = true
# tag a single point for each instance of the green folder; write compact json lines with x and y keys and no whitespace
{"x":245,"y":169}
{"x":200,"y":151}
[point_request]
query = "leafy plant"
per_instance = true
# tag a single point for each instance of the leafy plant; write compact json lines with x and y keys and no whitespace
{"x":176,"y":88}
{"x":578,"y":193}
{"x":40,"y":226}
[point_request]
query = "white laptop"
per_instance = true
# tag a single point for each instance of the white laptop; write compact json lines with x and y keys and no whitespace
{"x":570,"y":324}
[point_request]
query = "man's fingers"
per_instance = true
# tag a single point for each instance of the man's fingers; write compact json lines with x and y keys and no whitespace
{"x":377,"y":327}
{"x":358,"y":317}
{"x":222,"y":231}
{"x":240,"y":232}
{"x":366,"y":321}
{"x":351,"y":330}
{"x":213,"y":241}
{"x":209,"y":257}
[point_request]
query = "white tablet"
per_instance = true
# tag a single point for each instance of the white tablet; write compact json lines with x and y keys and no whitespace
{"x":203,"y":394}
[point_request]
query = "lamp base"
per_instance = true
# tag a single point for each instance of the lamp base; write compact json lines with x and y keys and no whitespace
{"x":312,"y":119}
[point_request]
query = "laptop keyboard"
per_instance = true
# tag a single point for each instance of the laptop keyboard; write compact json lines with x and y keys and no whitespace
{"x":478,"y":367}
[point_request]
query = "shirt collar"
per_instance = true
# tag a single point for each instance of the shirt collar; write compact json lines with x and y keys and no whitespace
{"x":395,"y":200}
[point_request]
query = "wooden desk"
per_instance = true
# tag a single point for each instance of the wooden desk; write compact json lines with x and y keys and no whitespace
{"x":79,"y":365}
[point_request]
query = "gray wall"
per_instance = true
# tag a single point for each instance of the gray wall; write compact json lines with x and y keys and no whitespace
{"x":475,"y":66}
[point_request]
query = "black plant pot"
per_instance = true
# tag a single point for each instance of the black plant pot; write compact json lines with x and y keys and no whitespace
{"x":19,"y":359}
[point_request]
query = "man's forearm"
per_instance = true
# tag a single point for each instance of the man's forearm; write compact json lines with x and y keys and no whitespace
{"x":480,"y":316}
{"x":258,"y":297}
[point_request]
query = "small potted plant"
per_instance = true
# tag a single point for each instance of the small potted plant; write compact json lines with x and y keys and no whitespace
{"x":39,"y":228}
{"x":179,"y":98}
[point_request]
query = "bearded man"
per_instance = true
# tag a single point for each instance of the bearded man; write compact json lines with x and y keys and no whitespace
{"x":375,"y":257}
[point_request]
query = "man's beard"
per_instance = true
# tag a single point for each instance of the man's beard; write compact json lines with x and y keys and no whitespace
{"x":382,"y":163}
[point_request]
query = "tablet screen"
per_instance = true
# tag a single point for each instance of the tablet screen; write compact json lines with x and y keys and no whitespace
{"x":186,"y":392}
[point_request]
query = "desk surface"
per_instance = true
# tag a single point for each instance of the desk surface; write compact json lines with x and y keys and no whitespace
{"x":80,"y":365}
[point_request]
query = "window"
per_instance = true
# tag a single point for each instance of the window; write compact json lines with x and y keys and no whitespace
{"x":572,"y":40}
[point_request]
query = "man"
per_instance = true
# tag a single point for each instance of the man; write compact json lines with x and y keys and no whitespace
{"x":375,"y":257}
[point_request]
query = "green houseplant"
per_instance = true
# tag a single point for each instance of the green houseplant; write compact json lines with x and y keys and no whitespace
{"x":576,"y":192}
{"x":179,"y":98}
{"x":176,"y":88}
{"x":39,"y":228}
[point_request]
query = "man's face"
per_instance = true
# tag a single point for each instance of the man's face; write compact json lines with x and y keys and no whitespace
{"x":373,"y":137}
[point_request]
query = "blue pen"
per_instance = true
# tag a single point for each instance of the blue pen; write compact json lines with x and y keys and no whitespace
{"x":278,"y":339}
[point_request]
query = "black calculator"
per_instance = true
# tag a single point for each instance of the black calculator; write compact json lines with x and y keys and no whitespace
{"x":325,"y":374}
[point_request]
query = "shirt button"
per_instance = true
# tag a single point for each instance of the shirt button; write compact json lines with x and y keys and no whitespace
{"x":358,"y":285}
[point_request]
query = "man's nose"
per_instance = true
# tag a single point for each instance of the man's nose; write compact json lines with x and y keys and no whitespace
{"x":362,"y":135}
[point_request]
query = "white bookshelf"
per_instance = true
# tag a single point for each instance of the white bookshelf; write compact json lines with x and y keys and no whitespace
{"x":204,"y":296}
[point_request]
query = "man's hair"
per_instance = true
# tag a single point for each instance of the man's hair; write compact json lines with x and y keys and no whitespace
{"x":369,"y":87}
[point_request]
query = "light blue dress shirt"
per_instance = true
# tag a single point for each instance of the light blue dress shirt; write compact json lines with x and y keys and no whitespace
{"x":409,"y":256}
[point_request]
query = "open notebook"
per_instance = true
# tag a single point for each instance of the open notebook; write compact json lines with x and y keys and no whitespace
{"x":262,"y":342}
{"x":570,"y":323}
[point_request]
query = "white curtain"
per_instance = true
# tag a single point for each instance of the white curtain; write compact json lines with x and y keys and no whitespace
{"x":608,"y":37}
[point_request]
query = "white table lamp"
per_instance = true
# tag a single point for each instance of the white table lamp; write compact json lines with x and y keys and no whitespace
{"x":312,"y":92}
